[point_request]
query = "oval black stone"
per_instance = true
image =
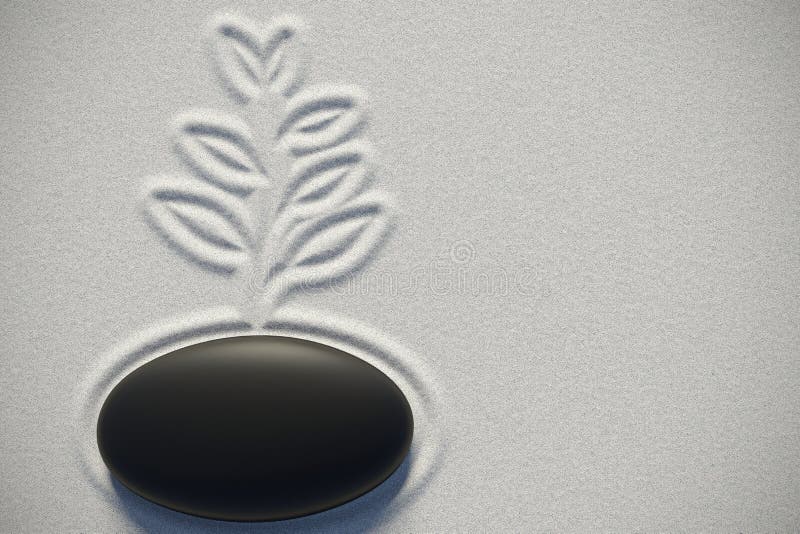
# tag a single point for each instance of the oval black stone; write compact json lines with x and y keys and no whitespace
{"x":254,"y":428}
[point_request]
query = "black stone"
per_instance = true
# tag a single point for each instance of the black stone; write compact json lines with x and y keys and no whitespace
{"x":254,"y":428}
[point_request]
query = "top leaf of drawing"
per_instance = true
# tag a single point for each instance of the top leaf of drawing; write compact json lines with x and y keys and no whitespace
{"x":251,"y":59}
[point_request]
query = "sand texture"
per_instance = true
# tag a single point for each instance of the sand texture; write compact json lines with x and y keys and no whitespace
{"x":570,"y":232}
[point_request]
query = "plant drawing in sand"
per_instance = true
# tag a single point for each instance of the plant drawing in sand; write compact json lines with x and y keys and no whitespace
{"x":327,"y":222}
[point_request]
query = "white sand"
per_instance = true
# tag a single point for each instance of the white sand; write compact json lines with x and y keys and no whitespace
{"x":595,"y":259}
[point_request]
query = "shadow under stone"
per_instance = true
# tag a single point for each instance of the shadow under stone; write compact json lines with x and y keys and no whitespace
{"x":363,"y":514}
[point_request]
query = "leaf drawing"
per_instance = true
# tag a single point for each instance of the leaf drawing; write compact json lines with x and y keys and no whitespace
{"x":327,"y":223}
{"x":320,"y":117}
{"x":219,"y":148}
{"x":251,"y":59}
{"x":283,"y":58}
{"x":323,"y":180}
{"x":238,"y":54}
{"x":331,"y":247}
{"x":202,"y":223}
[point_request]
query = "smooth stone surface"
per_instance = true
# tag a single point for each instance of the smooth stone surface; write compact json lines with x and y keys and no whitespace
{"x":254,"y":428}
